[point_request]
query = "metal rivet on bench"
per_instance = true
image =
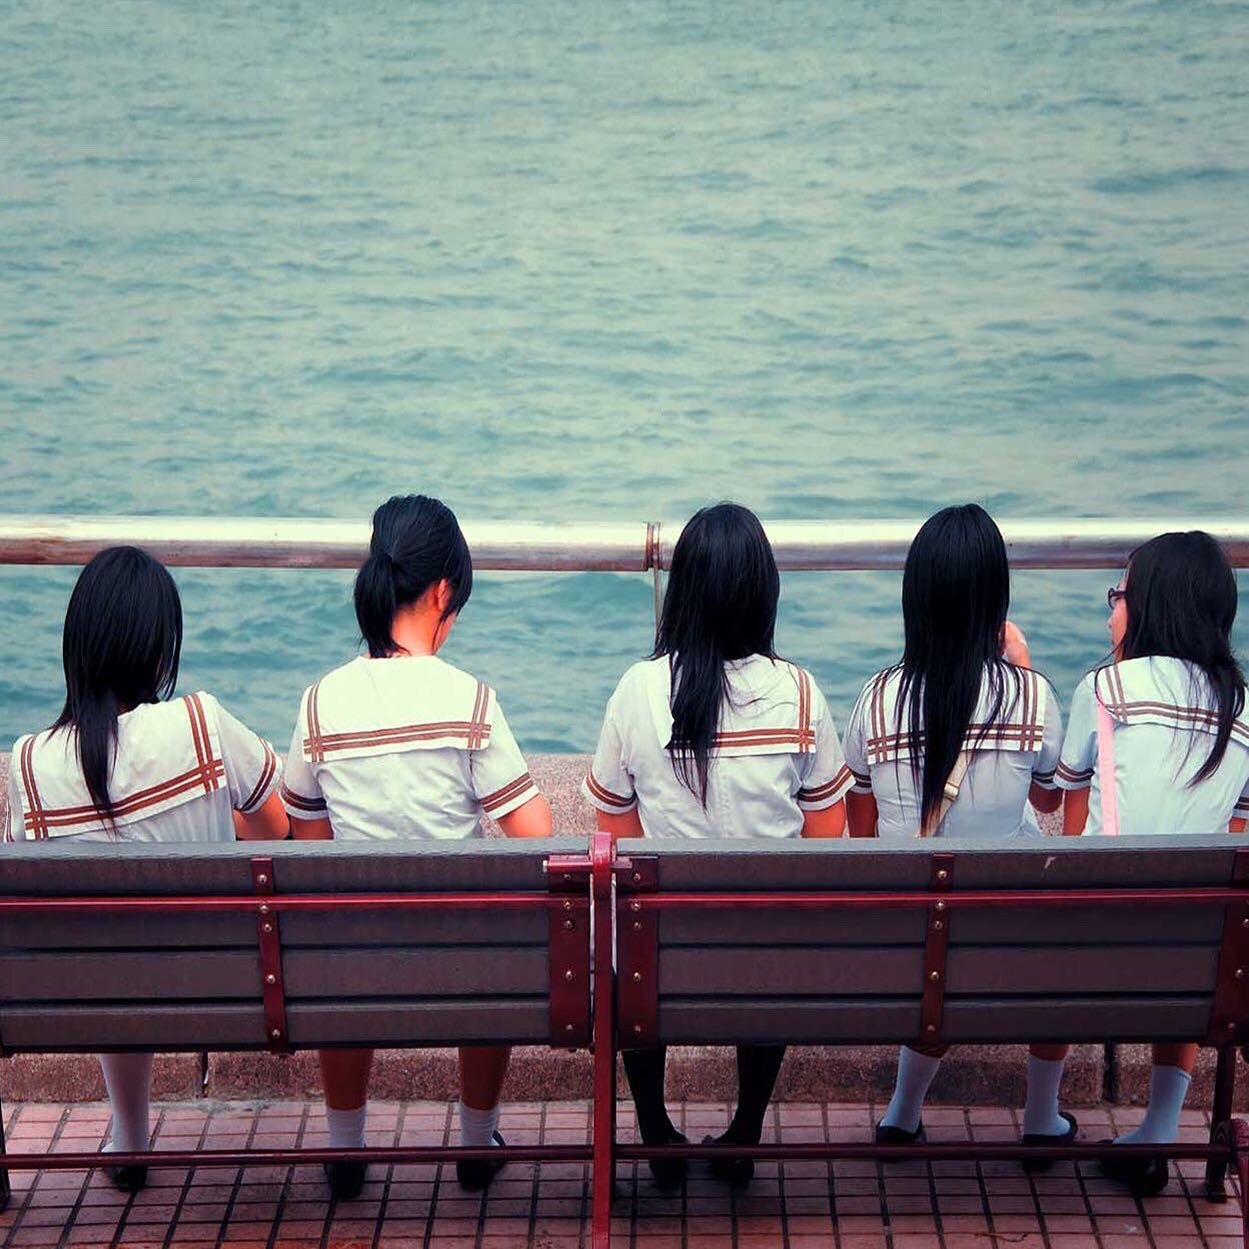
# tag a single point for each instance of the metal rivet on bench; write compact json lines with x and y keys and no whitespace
{"x":276,"y":1033}
{"x":932,"y":1027}
{"x":264,"y":908}
{"x":268,"y":927}
{"x":637,"y":878}
{"x":271,"y":979}
{"x":637,"y":925}
{"x":569,"y":925}
{"x":637,"y":977}
{"x":635,"y":906}
{"x":568,"y":904}
{"x":1244,"y":923}
{"x":262,"y":879}
{"x":940,"y":906}
{"x":943,"y":874}
{"x":570,"y":975}
{"x":1240,"y":973}
{"x":637,"y":1029}
{"x":938,"y":924}
{"x":934,"y":975}
{"x":569,"y":1028}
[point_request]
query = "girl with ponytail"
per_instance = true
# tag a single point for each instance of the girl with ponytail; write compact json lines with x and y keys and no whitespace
{"x":715,"y":736}
{"x":127,"y":762}
{"x":1159,"y":743}
{"x":400,"y":744}
{"x":956,"y":740}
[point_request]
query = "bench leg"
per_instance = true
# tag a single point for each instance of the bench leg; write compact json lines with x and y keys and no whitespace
{"x":1221,"y":1112}
{"x":6,"y":1189}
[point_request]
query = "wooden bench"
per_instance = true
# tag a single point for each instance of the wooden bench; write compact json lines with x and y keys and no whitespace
{"x":291,"y":946}
{"x":240,"y":947}
{"x":864,"y":942}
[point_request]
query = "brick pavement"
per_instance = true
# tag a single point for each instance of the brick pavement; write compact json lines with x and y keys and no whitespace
{"x":845,"y":1205}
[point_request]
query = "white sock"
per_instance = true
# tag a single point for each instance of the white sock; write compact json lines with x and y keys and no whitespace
{"x":477,"y":1127}
{"x":128,"y":1078}
{"x":1168,"y":1086}
{"x":346,"y":1126}
{"x":915,"y":1073}
{"x":1040,"y":1112}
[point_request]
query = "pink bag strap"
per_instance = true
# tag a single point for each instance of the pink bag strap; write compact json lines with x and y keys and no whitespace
{"x":1106,"y":769}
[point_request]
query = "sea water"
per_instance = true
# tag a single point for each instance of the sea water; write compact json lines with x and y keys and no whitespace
{"x":612,"y":261}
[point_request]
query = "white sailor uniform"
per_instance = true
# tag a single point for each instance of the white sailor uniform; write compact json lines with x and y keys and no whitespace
{"x":1017,"y":749}
{"x":408,"y":747}
{"x":776,"y":754}
{"x":179,"y":771}
{"x":1164,"y":718}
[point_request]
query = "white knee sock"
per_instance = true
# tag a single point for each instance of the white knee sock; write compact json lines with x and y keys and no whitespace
{"x":1040,"y":1112}
{"x":477,"y":1127}
{"x":128,"y":1078}
{"x":1168,"y":1086}
{"x":915,"y":1073}
{"x":347,"y":1126}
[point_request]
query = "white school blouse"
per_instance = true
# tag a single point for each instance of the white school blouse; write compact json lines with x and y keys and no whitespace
{"x":1018,"y":748}
{"x":403,"y":747}
{"x":1164,"y":718}
{"x":180,"y":770}
{"x":776,"y":754}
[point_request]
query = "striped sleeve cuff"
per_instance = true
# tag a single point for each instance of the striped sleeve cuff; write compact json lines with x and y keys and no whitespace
{"x":510,"y":796}
{"x":1242,"y":805}
{"x":598,"y":795}
{"x":820,"y":797}
{"x":1045,"y":779}
{"x":301,"y":807}
{"x":862,"y":782}
{"x":1073,"y":778}
{"x":265,"y":785}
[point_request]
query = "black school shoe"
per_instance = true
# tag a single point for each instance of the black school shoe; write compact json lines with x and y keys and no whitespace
{"x":736,"y":1170}
{"x":669,"y":1173}
{"x":1145,"y":1177}
{"x":889,"y":1135}
{"x":346,"y":1179}
{"x":1046,"y":1138}
{"x":128,"y":1179}
{"x":474,"y":1177}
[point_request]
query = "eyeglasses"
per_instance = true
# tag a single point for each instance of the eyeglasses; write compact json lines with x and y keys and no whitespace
{"x":1113,"y":595}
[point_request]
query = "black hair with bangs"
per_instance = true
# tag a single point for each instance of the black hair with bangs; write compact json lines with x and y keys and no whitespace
{"x":1181,"y":601}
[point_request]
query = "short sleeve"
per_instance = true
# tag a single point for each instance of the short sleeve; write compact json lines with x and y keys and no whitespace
{"x":609,"y":784}
{"x":15,"y":829}
{"x":1046,"y":764}
{"x":1078,"y":760}
{"x":251,"y":764}
{"x":825,"y":777}
{"x":501,"y":777}
{"x":301,"y":792}
{"x":855,"y":745}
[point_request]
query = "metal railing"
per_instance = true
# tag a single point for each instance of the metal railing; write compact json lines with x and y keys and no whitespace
{"x":552,"y":546}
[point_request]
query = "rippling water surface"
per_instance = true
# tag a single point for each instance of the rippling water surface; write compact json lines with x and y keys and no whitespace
{"x":612,"y":260}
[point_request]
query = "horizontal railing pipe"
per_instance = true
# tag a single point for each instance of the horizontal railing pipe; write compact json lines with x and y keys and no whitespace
{"x":555,"y":546}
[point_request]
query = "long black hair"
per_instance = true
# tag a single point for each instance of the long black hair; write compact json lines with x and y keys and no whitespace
{"x":955,"y":598}
{"x":1181,"y":601}
{"x":720,"y":605}
{"x":416,"y":543}
{"x":120,"y":647}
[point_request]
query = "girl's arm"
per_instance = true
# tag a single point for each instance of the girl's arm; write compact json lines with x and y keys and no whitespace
{"x":830,"y":822}
{"x":530,"y":819}
{"x":311,"y":830}
{"x":1045,"y":800}
{"x":626,"y":824}
{"x":267,"y":823}
{"x":1075,"y":812}
{"x":861,"y":814}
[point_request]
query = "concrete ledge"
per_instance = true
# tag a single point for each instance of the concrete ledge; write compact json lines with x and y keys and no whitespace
{"x":1129,"y":1078}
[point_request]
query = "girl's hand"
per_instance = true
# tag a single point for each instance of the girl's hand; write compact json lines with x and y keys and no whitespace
{"x":1015,"y":646}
